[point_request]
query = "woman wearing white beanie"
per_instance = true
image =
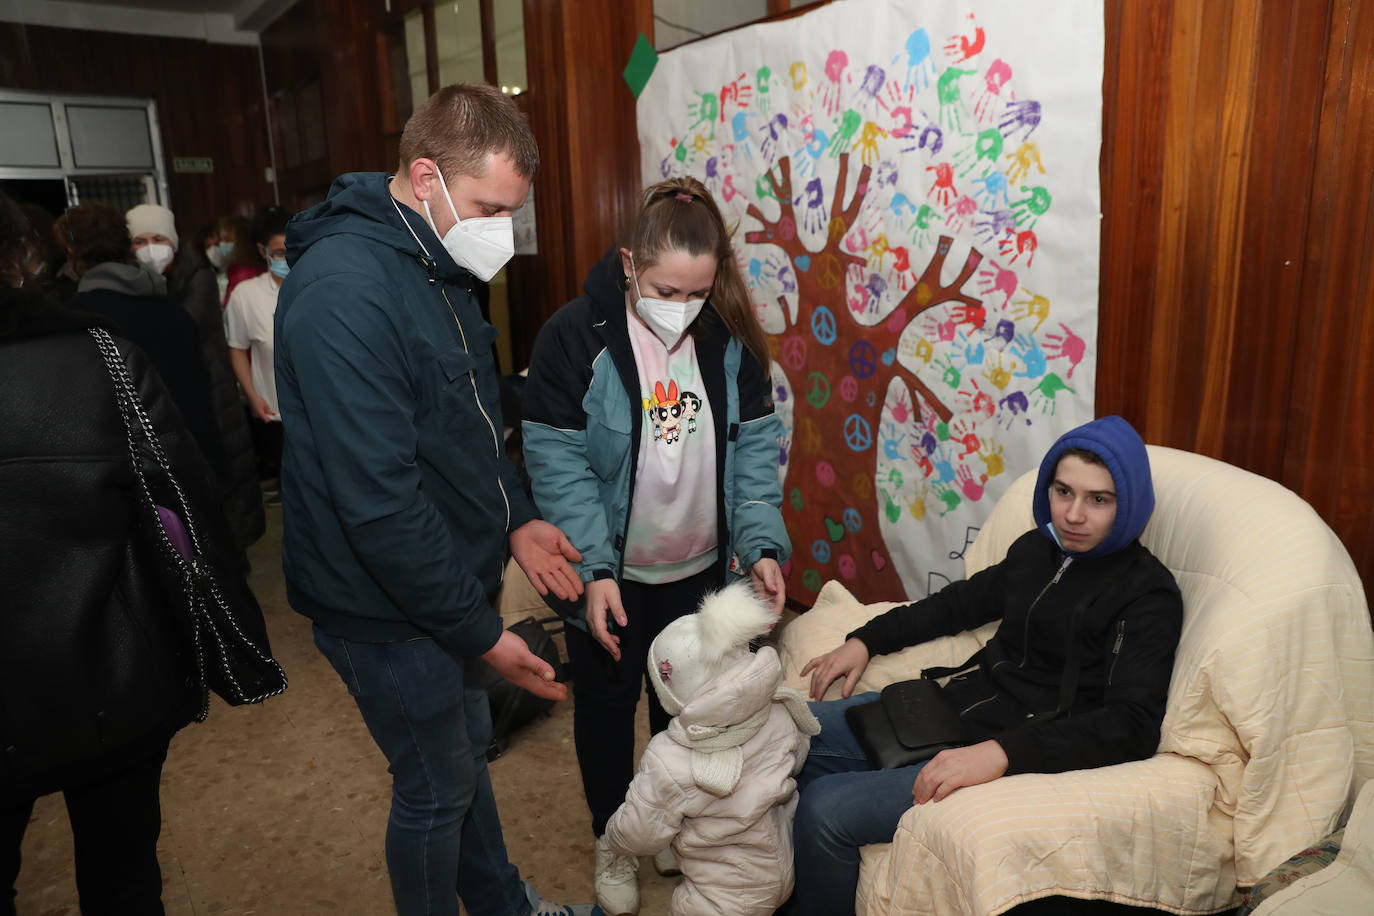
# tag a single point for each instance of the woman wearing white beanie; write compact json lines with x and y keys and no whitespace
{"x":192,"y":283}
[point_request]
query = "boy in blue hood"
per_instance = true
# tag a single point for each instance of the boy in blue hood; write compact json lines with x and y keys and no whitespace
{"x":398,"y":500}
{"x":1080,"y":576}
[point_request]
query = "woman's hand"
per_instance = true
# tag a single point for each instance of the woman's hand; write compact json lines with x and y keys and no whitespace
{"x":603,"y":597}
{"x":849,"y":661}
{"x":959,"y":767}
{"x":768,"y":583}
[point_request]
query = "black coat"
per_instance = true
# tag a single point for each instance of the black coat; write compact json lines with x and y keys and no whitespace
{"x":192,"y":284}
{"x":91,"y":658}
{"x":140,"y":311}
{"x":1131,"y":620}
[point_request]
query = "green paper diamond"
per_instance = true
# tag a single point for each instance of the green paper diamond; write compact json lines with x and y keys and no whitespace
{"x":643,"y":59}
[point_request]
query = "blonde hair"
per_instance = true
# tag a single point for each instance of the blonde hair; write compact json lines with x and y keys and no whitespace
{"x":461,"y":125}
{"x":680,"y":215}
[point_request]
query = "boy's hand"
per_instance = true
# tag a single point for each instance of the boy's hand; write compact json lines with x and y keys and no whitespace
{"x":849,"y":661}
{"x":959,"y":767}
{"x":514,"y":661}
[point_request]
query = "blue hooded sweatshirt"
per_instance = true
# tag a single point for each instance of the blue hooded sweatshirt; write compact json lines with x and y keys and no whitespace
{"x":1123,"y":452}
{"x":397,"y":494}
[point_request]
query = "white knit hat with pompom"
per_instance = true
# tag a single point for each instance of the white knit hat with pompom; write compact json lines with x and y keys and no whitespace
{"x":692,"y":650}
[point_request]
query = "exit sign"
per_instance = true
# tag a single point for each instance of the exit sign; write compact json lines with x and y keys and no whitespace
{"x":193,"y":164}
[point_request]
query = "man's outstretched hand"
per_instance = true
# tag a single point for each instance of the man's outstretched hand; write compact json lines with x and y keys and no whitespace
{"x":546,"y":555}
{"x":514,"y":661}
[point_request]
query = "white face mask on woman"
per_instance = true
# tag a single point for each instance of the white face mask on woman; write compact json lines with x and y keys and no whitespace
{"x":157,"y":256}
{"x":668,"y":319}
{"x":482,"y":244}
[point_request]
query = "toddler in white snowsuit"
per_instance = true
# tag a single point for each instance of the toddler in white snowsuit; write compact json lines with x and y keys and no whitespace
{"x":718,"y":784}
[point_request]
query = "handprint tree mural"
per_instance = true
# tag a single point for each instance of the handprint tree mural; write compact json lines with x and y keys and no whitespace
{"x":849,"y":413}
{"x":898,"y":225}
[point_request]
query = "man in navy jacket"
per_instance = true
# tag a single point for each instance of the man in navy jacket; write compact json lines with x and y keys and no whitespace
{"x":398,"y":499}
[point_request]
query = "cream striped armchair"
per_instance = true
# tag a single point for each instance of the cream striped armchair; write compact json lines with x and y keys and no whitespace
{"x":1267,"y":738}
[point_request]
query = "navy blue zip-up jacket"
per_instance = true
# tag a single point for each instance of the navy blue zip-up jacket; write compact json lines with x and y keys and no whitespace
{"x":1132,"y":614}
{"x":397,"y":494}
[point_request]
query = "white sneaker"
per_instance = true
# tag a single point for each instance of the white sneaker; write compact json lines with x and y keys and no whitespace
{"x":666,"y":864}
{"x":617,"y":881}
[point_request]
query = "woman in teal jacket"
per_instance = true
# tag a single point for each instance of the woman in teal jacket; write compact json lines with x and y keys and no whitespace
{"x":651,"y":441}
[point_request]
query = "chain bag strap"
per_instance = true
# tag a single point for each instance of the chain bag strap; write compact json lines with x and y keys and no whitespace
{"x":227,"y":660}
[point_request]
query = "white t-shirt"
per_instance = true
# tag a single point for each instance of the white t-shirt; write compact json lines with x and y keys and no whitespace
{"x":248,"y":326}
{"x":672,"y":526}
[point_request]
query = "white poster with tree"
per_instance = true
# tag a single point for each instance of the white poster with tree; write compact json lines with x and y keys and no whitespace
{"x":916,"y":191}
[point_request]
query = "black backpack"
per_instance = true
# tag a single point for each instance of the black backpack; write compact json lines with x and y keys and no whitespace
{"x":512,"y":707}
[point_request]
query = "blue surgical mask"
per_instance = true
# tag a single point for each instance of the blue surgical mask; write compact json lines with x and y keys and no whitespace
{"x":279,"y":268}
{"x":226,"y":249}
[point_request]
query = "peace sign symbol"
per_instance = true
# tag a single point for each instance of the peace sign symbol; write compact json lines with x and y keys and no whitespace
{"x":858,"y":435}
{"x":820,"y":549}
{"x":863,"y":486}
{"x":863,"y":359}
{"x":794,"y":352}
{"x":817,"y":390}
{"x":830,"y":273}
{"x":811,"y":580}
{"x":823,"y":325}
{"x":852,"y":520}
{"x":797,"y":501}
{"x":849,"y":388}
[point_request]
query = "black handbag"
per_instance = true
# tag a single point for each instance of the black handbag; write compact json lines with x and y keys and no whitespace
{"x":914,"y":720}
{"x":217,"y":612}
{"x":910,"y":721}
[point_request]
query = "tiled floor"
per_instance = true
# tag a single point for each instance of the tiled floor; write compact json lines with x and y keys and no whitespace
{"x":281,"y":808}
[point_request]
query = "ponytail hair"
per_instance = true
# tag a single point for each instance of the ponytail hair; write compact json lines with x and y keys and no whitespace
{"x":680,"y":215}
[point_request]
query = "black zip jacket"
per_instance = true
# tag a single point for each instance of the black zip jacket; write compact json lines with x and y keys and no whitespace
{"x":1128,"y":633}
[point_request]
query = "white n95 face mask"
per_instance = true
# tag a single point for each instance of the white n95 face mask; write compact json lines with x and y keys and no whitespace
{"x":668,"y":320}
{"x":156,"y":256}
{"x":482,"y":244}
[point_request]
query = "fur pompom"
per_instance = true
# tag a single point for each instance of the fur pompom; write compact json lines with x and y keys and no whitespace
{"x":731,"y":617}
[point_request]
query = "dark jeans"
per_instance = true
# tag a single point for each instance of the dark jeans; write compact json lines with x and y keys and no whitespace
{"x":606,"y":692}
{"x":443,"y":840}
{"x":267,"y":446}
{"x":116,"y":816}
{"x":845,"y":804}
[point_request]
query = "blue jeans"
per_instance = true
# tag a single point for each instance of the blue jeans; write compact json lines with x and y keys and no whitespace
{"x":443,"y":840}
{"x":845,"y":804}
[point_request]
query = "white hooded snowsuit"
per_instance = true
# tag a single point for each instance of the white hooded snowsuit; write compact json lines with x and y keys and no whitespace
{"x":718,"y":785}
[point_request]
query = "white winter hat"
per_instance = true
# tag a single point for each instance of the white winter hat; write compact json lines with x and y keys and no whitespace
{"x":152,"y":218}
{"x":692,"y":650}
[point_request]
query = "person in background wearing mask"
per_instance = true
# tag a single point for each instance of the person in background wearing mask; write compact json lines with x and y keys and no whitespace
{"x":398,"y":498}
{"x":191,"y":283}
{"x":207,"y":240}
{"x":248,"y":328}
{"x":241,"y":258}
{"x":119,"y":287}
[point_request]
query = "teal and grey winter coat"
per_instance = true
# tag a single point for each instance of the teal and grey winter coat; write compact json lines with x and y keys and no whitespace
{"x":582,"y":428}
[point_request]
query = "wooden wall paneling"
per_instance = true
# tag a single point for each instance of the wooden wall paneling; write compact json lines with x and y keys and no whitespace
{"x":604,"y":152}
{"x":1137,"y":38}
{"x":1284,"y":123}
{"x":583,"y":116}
{"x":539,"y":283}
{"x":1227,"y":213}
{"x":1330,"y":449}
{"x":217,"y":113}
